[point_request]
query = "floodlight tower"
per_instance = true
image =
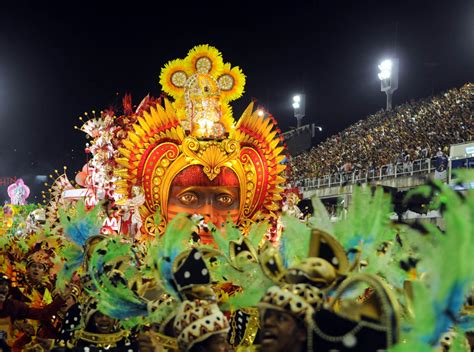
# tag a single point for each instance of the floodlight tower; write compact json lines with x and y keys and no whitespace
{"x":388,"y":76}
{"x":299,"y":108}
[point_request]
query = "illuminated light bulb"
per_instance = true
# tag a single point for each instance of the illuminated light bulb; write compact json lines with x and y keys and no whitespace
{"x":385,"y":68}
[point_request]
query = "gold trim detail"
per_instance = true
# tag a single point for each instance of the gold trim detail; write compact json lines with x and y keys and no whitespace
{"x":162,"y":340}
{"x":101,"y":340}
{"x":251,"y":329}
{"x":212,"y":155}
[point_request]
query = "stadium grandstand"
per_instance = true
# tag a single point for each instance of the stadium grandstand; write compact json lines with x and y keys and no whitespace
{"x":398,"y":150}
{"x":415,"y":130}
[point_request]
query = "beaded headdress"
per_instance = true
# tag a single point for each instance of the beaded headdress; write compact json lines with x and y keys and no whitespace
{"x":198,"y":320}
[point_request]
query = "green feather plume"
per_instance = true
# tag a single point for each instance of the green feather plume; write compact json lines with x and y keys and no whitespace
{"x":246,"y":274}
{"x":222,"y":238}
{"x":320,"y":218}
{"x":166,"y":248}
{"x":72,"y":256}
{"x":411,"y":346}
{"x":254,"y":284}
{"x":115,"y":298}
{"x":447,"y":265}
{"x":83,"y":224}
{"x":4,"y":241}
{"x":367,"y":219}
{"x":22,"y":245}
{"x":295,"y":241}
{"x":387,"y":265}
{"x":257,"y":233}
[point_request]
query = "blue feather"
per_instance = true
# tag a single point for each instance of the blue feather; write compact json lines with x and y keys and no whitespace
{"x":446,"y":312}
{"x":165,"y":250}
{"x":68,"y":269}
{"x":283,"y":251}
{"x":466,"y":323}
{"x":114,"y":299}
{"x":118,"y":307}
{"x":82,"y":225}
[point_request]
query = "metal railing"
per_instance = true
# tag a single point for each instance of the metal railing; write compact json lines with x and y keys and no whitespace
{"x":401,"y":169}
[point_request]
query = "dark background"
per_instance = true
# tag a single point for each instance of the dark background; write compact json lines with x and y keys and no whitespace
{"x":58,"y":60}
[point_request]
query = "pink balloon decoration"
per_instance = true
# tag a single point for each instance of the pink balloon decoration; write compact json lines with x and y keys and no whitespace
{"x":18,"y":192}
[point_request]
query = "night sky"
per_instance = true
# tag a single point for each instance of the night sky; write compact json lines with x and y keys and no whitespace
{"x":58,"y":61}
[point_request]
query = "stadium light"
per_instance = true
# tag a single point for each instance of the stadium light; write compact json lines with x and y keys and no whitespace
{"x":385,"y":68}
{"x":314,"y":128}
{"x":388,"y":76}
{"x":260,"y":112}
{"x":299,"y":108}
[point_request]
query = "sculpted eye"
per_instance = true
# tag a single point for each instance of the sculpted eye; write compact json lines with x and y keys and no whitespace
{"x":188,"y":198}
{"x":224,"y":199}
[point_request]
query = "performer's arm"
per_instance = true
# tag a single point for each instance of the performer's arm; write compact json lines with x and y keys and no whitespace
{"x":25,"y":312}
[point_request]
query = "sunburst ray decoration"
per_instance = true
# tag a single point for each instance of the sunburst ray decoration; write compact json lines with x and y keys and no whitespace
{"x":227,"y":118}
{"x":263,"y":135}
{"x":158,"y":124}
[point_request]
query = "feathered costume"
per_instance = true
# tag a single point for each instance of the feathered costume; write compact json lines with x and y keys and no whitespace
{"x":78,"y":228}
{"x":445,"y":259}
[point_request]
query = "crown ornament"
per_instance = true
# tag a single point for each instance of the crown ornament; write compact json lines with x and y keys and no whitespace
{"x":195,"y":128}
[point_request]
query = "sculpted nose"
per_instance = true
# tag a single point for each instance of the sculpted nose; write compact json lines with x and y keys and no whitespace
{"x":210,"y":216}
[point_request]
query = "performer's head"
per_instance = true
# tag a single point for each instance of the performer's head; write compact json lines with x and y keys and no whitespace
{"x":217,"y":200}
{"x":96,"y":322}
{"x":281,"y":331}
{"x":36,"y":271}
{"x":4,"y":287}
{"x":214,"y":343}
{"x":200,"y":326}
{"x":286,"y":317}
{"x":101,"y":324}
{"x":37,"y":266}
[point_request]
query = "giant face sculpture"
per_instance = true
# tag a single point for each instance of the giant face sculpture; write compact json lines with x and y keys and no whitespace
{"x":190,"y":156}
{"x":217,"y":200}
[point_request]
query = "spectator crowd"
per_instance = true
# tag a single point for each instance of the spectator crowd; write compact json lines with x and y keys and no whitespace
{"x":411,"y":131}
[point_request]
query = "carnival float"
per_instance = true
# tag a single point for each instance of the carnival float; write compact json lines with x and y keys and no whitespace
{"x":180,"y":234}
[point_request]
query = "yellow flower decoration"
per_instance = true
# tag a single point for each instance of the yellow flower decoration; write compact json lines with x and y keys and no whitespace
{"x":205,"y":59}
{"x":173,"y":77}
{"x":231,"y":82}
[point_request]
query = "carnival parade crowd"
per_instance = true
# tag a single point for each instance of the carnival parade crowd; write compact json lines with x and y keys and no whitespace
{"x":176,"y":238}
{"x":76,"y":286}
